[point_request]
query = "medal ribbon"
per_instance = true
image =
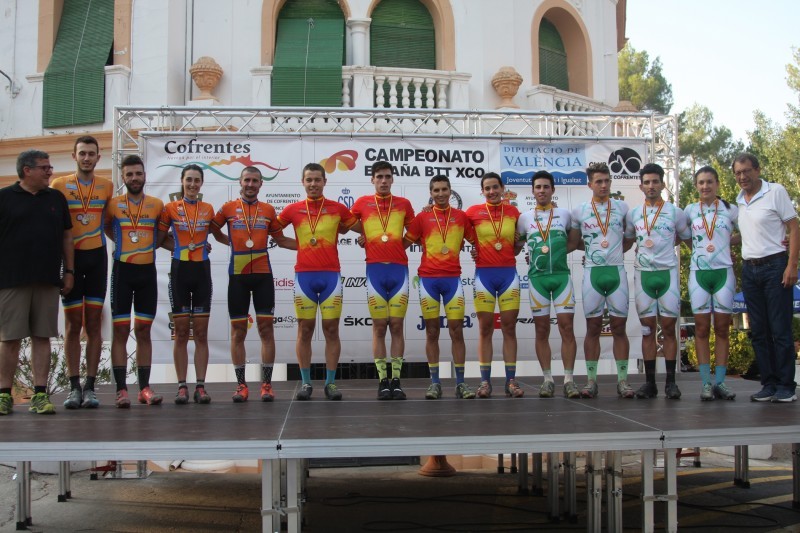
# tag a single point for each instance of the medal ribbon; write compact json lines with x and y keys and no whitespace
{"x":653,"y":225}
{"x":313,"y":223}
{"x":384,"y":222}
{"x":544,"y":233}
{"x":134,"y":220}
{"x":710,"y":232}
{"x":193,"y":225}
{"x":248,"y":222}
{"x":447,"y":223}
{"x":603,"y":229}
{"x":498,"y":228}
{"x":88,"y":199}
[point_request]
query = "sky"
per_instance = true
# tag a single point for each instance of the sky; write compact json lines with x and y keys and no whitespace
{"x":729,"y":55}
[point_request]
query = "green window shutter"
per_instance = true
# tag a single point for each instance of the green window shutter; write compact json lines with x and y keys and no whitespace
{"x":552,"y":57}
{"x":402,"y":35}
{"x":308,"y":58}
{"x":74,"y":81}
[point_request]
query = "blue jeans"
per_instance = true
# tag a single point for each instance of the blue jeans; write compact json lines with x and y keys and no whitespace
{"x":769,"y":306}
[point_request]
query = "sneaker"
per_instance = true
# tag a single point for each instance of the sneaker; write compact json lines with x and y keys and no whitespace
{"x":305,"y":392}
{"x":646,"y":391}
{"x":201,"y":396}
{"x":484,"y":390}
{"x":722,"y":392}
{"x":624,"y":390}
{"x":764,"y":395}
{"x":397,"y":391}
{"x":434,"y":391}
{"x":6,"y":403}
{"x":547,"y":390}
{"x":148,"y":397}
{"x":571,"y":390}
{"x":589,"y":390}
{"x":41,"y":404}
{"x":384,"y":390}
{"x":241,"y":394}
{"x":73,"y":401}
{"x":513,"y":390}
{"x":671,"y":391}
{"x":784,"y":396}
{"x":89,"y":399}
{"x":707,"y":393}
{"x":122,"y":401}
{"x":464,"y":392}
{"x":266,"y":392}
{"x":182,"y":398}
{"x":332,"y":392}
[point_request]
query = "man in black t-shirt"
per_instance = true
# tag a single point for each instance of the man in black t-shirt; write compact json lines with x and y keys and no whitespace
{"x":35,"y":241}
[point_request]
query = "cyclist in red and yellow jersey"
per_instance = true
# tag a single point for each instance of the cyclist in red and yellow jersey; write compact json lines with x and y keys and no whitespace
{"x":496,"y":281}
{"x":317,"y":222}
{"x":87,"y":196}
{"x":249,"y":225}
{"x":189,"y":218}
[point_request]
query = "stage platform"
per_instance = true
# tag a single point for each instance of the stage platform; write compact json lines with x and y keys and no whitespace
{"x":286,"y":431}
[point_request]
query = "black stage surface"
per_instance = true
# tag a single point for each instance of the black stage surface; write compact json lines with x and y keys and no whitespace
{"x":362,"y":426}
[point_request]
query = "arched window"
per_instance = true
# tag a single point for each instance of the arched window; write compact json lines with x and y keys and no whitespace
{"x":309,"y":53}
{"x":552,"y":57}
{"x":402,"y":35}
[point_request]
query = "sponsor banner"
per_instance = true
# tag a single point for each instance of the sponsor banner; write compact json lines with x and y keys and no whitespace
{"x":348,"y":164}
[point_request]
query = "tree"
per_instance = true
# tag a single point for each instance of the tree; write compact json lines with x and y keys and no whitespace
{"x":642,"y":82}
{"x":703,"y":143}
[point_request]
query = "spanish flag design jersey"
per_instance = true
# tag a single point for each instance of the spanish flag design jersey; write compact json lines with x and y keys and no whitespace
{"x":316,"y":226}
{"x":134,"y":230}
{"x":384,"y":215}
{"x":248,"y":223}
{"x":190,"y":221}
{"x":87,"y":203}
{"x":442,"y":234}
{"x":494,"y":224}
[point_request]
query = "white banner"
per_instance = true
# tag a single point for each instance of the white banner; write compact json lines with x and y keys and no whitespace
{"x":348,"y":163}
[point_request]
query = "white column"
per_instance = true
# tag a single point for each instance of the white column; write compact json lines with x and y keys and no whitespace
{"x":359,"y":38}
{"x":117,"y":83}
{"x":261,"y":95}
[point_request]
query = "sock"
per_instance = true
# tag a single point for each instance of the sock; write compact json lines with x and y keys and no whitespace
{"x":486,"y":371}
{"x":568,"y":375}
{"x":705,"y":373}
{"x":380,"y":364}
{"x":720,"y":372}
{"x":650,"y":371}
{"x":119,"y":377}
{"x":671,"y":370}
{"x":182,"y":384}
{"x":5,"y":390}
{"x":239,"y":369}
{"x":433,"y":368}
{"x":459,"y":373}
{"x":548,"y":375}
{"x":622,"y":370}
{"x":201,"y":384}
{"x":143,"y":373}
{"x":305,"y":375}
{"x":266,"y":372}
{"x":591,"y":370}
{"x":75,"y":382}
{"x":397,"y":366}
{"x":511,"y":371}
{"x":330,"y":376}
{"x":89,"y":385}
{"x":40,"y":389}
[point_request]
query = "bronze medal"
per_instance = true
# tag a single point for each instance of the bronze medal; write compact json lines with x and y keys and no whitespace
{"x":710,"y":248}
{"x":498,"y":246}
{"x":249,"y":243}
{"x":545,"y":249}
{"x":445,"y":250}
{"x":604,"y":243}
{"x":649,"y":243}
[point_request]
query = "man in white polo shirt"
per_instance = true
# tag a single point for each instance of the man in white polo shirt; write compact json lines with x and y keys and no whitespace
{"x":766,"y":218}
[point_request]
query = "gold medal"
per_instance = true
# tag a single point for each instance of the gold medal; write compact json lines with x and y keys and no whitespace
{"x":604,"y":243}
{"x":496,"y":227}
{"x":544,"y":233}
{"x":445,"y":250}
{"x":710,"y":248}
{"x":384,"y":238}
{"x":313,"y":241}
{"x":443,"y":234}
{"x":545,"y":249}
{"x":498,"y":246}
{"x":384,"y":220}
{"x":312,"y":223}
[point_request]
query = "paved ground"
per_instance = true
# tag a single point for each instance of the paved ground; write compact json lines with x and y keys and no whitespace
{"x":396,"y":498}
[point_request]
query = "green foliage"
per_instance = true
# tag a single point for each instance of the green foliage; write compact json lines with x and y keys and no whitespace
{"x":741,"y":352}
{"x":642,"y":82}
{"x":796,"y":328}
{"x":703,"y":143}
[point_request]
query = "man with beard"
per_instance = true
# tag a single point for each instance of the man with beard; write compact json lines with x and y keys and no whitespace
{"x":87,"y":196}
{"x":132,"y":223}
